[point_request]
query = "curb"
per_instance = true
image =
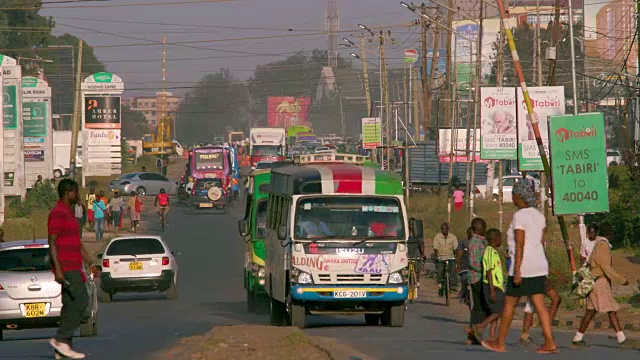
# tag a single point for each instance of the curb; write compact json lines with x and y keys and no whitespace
{"x":597,"y":325}
{"x":336,"y":350}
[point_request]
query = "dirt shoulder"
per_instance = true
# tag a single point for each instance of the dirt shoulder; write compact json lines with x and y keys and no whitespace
{"x":240,"y":342}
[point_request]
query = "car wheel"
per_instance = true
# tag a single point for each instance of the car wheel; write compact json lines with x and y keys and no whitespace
{"x":172,"y":293}
{"x":495,"y":197}
{"x":103,"y":296}
{"x":613,"y":163}
{"x":393,"y":316}
{"x":141,"y":191}
{"x":57,"y":173}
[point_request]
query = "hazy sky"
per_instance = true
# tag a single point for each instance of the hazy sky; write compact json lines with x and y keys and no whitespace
{"x":101,"y":24}
{"x":140,"y":66}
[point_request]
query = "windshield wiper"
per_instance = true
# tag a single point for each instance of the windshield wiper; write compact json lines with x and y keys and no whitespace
{"x":374,"y":238}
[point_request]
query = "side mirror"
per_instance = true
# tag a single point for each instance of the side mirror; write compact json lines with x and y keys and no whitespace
{"x":99,"y":256}
{"x":282,"y":232}
{"x":243,"y":227}
{"x":176,"y":253}
{"x":418,"y":229}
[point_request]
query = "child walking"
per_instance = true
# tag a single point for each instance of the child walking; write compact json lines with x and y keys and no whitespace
{"x":493,"y":286}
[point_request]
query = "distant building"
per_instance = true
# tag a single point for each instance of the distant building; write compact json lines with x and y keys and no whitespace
{"x":151,"y":106}
{"x":616,"y":26}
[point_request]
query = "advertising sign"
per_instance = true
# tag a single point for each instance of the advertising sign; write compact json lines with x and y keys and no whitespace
{"x":578,"y":164}
{"x":498,"y":138}
{"x":459,"y":147}
{"x":103,"y":82}
{"x":34,"y":155}
{"x":546,"y":101}
{"x":287,"y":111}
{"x":410,"y":56}
{"x":371,"y":133}
{"x":294,"y":130}
{"x":102,"y":112}
{"x":103,"y":137}
{"x":34,"y":117}
{"x":9,"y":105}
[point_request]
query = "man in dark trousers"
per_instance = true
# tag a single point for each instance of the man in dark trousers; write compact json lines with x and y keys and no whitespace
{"x":67,"y":255}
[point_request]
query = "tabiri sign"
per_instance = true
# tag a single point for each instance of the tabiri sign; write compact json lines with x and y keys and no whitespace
{"x":498,"y":138}
{"x":102,"y":112}
{"x":578,"y":164}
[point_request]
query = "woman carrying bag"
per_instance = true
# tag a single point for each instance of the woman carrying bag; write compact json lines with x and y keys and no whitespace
{"x":600,"y":299}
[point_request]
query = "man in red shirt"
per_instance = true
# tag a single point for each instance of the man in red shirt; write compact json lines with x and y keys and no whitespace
{"x":67,"y":254}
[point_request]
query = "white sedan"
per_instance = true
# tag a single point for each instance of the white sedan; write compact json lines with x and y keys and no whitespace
{"x":507,"y":186}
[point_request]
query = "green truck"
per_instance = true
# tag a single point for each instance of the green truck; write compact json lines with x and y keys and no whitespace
{"x":253,"y":230}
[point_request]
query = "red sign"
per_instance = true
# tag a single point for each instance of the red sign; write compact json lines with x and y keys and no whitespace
{"x":286,"y":111}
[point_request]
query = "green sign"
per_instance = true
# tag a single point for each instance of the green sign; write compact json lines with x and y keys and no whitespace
{"x":34,"y":119}
{"x":29,"y":82}
{"x":371,"y":133}
{"x":9,"y":104}
{"x":103,"y":77}
{"x":578,"y":164}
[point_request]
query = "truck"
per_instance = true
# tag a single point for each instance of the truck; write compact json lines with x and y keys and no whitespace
{"x":62,"y":152}
{"x":235,"y":136}
{"x":267,"y":144}
{"x":336,"y":241}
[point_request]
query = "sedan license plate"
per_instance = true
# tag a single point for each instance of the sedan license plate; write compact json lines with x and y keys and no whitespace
{"x":135,"y":265}
{"x":34,"y":310}
{"x":349,"y":294}
{"x":206,"y":205}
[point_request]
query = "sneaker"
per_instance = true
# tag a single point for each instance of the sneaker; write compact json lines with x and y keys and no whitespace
{"x":65,"y":350}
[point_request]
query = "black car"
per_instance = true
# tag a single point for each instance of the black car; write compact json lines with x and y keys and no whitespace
{"x":209,"y":193}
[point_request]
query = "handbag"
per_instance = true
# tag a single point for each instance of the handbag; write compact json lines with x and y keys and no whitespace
{"x":583,"y":281}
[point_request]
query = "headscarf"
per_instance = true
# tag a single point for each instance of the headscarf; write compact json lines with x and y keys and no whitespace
{"x":525,"y":191}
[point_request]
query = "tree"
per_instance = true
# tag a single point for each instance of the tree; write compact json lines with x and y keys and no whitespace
{"x":218,"y":100}
{"x":20,"y":39}
{"x":134,"y":124}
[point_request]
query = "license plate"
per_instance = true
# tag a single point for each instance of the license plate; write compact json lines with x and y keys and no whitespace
{"x":34,"y":310}
{"x":135,"y":265}
{"x":349,"y":294}
{"x":206,"y":205}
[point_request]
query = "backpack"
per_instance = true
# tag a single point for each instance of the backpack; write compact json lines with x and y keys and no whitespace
{"x":163,"y":199}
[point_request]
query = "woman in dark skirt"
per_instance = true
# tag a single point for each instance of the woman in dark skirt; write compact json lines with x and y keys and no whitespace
{"x":527,"y":275}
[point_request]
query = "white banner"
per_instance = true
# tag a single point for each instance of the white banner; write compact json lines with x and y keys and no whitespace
{"x":498,"y":127}
{"x":459,"y":147}
{"x":103,"y":137}
{"x":546,"y":101}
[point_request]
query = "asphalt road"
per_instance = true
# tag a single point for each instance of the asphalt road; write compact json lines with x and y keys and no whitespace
{"x":135,"y":326}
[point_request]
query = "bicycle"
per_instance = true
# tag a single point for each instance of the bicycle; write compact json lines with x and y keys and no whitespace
{"x":163,"y":218}
{"x":446,"y":280}
{"x":413,"y":281}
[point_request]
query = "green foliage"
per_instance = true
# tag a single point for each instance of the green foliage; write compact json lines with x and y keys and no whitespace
{"x":39,"y":198}
{"x":134,"y":124}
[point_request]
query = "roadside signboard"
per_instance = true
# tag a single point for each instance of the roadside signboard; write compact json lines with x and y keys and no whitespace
{"x":371,"y":133}
{"x":36,"y":129}
{"x":498,"y":131}
{"x":13,"y":145}
{"x":410,"y":56}
{"x":546,"y":101}
{"x":578,"y":164}
{"x":459,"y":147}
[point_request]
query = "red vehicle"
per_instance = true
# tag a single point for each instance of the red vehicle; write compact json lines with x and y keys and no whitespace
{"x":267,"y":144}
{"x":212,"y":162}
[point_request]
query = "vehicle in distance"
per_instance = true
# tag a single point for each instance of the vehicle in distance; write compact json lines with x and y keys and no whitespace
{"x":30,"y":298}
{"x":324,"y":150}
{"x":209,"y":193}
{"x":507,"y":187}
{"x":143,"y":183}
{"x":614,"y":158}
{"x":138,"y":264}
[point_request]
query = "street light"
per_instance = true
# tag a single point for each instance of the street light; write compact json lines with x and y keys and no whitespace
{"x":348,"y":41}
{"x":366,"y":28}
{"x":32,"y":59}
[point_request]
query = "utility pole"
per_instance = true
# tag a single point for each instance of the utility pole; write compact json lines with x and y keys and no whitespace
{"x":414,"y":102}
{"x":425,"y":92}
{"x":500,"y":83}
{"x":383,"y":97}
{"x":367,"y":92}
{"x":432,"y":75}
{"x":77,"y":110}
{"x":476,"y":108}
{"x":554,"y":45}
{"x":543,"y":179}
{"x":454,"y":135}
{"x":449,"y":86}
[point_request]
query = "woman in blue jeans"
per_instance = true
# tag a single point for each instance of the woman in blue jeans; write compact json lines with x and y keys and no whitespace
{"x":99,"y":209}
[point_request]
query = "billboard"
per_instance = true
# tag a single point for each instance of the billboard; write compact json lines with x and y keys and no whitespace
{"x":102,"y":112}
{"x":498,"y":138}
{"x":459,"y":147}
{"x":546,"y":101}
{"x":34,"y":116}
{"x":287,"y":111}
{"x":579,"y":164}
{"x":371,"y":133}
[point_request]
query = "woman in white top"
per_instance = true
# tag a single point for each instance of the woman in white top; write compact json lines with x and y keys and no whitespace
{"x":527,"y":274}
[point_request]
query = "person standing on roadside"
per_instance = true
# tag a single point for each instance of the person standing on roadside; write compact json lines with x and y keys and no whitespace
{"x":99,"y":210}
{"x":600,"y":299}
{"x":477,"y":244}
{"x":527,"y":274}
{"x":91,"y":198}
{"x":462,"y":266}
{"x":67,"y":254}
{"x":458,"y":199}
{"x":38,"y":182}
{"x":135,"y":208}
{"x":115,"y":209}
{"x":445,"y":245}
{"x":81,"y":215}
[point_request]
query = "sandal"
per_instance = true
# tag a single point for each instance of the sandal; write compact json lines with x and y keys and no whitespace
{"x":547,"y":351}
{"x":489,"y":346}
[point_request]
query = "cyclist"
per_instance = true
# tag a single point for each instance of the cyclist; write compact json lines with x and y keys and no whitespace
{"x":162,"y":204}
{"x":444,"y":246}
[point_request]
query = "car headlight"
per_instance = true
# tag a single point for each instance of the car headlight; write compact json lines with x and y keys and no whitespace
{"x":301,"y":277}
{"x":395,"y":278}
